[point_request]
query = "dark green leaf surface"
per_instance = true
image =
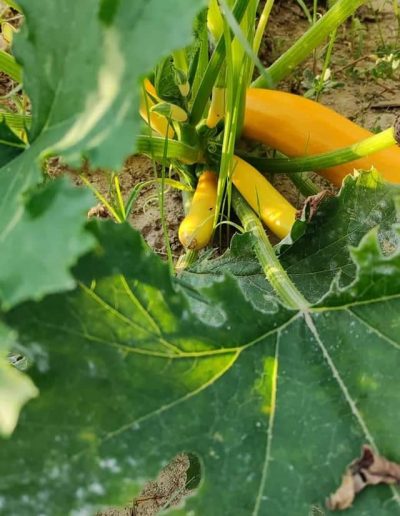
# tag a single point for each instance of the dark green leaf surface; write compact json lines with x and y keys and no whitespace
{"x":82,"y":63}
{"x":275,"y":403}
{"x":10,"y":145}
{"x":322,"y":254}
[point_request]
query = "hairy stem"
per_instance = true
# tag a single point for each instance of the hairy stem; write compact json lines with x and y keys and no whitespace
{"x":274,"y":272}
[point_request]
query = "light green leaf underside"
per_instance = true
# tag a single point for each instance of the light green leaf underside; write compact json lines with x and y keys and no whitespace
{"x":275,"y":403}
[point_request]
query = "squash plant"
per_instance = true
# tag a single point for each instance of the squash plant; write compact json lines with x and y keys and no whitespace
{"x":269,"y":367}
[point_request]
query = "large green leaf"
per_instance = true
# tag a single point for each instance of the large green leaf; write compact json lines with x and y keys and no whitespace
{"x":275,"y":403}
{"x":314,"y":261}
{"x":82,"y":62}
{"x":84,"y":100}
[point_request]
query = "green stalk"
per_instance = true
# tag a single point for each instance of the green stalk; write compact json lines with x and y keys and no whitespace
{"x":9,"y":66}
{"x":306,"y":11}
{"x":273,"y":270}
{"x":237,"y":31}
{"x":262,"y":24}
{"x":213,"y":69}
{"x":120,"y":200}
{"x":370,"y":145}
{"x":305,"y":45}
{"x":199,"y":63}
{"x":242,"y":51}
{"x":228,"y":143}
{"x":153,"y":146}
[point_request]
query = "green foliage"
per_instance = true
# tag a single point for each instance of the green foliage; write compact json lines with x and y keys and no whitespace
{"x":82,"y":102}
{"x":339,"y":223}
{"x":10,"y":145}
{"x":141,"y":367}
{"x":165,"y":82}
{"x":135,"y":365}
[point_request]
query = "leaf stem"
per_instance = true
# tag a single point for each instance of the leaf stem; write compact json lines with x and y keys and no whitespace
{"x":154,"y":147}
{"x":273,"y":270}
{"x":370,"y":145}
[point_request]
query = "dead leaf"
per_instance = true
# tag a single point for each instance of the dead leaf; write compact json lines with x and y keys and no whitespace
{"x":369,"y":469}
{"x":311,"y":205}
{"x":99,"y":211}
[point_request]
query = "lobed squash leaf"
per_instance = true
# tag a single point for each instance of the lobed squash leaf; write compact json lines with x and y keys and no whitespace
{"x":275,"y":403}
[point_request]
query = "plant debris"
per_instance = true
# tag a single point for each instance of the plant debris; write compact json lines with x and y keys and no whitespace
{"x":368,"y":470}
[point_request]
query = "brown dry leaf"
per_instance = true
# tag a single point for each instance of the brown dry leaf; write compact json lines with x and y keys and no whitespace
{"x":369,"y":469}
{"x":98,"y":211}
{"x":311,"y":205}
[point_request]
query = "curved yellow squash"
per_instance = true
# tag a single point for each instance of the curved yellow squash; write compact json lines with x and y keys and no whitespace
{"x":297,"y":126}
{"x":196,"y":229}
{"x":273,"y":209}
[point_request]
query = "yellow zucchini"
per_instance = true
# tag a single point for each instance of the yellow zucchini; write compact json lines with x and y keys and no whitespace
{"x":196,"y":229}
{"x":157,"y":122}
{"x":273,"y":209}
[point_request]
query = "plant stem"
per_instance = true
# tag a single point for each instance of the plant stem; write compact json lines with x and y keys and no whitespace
{"x":101,"y":198}
{"x":153,"y":146}
{"x":304,"y":46}
{"x":273,"y":270}
{"x":213,"y":68}
{"x":162,"y":210}
{"x":119,"y":197}
{"x":262,"y":23}
{"x":375,"y":143}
